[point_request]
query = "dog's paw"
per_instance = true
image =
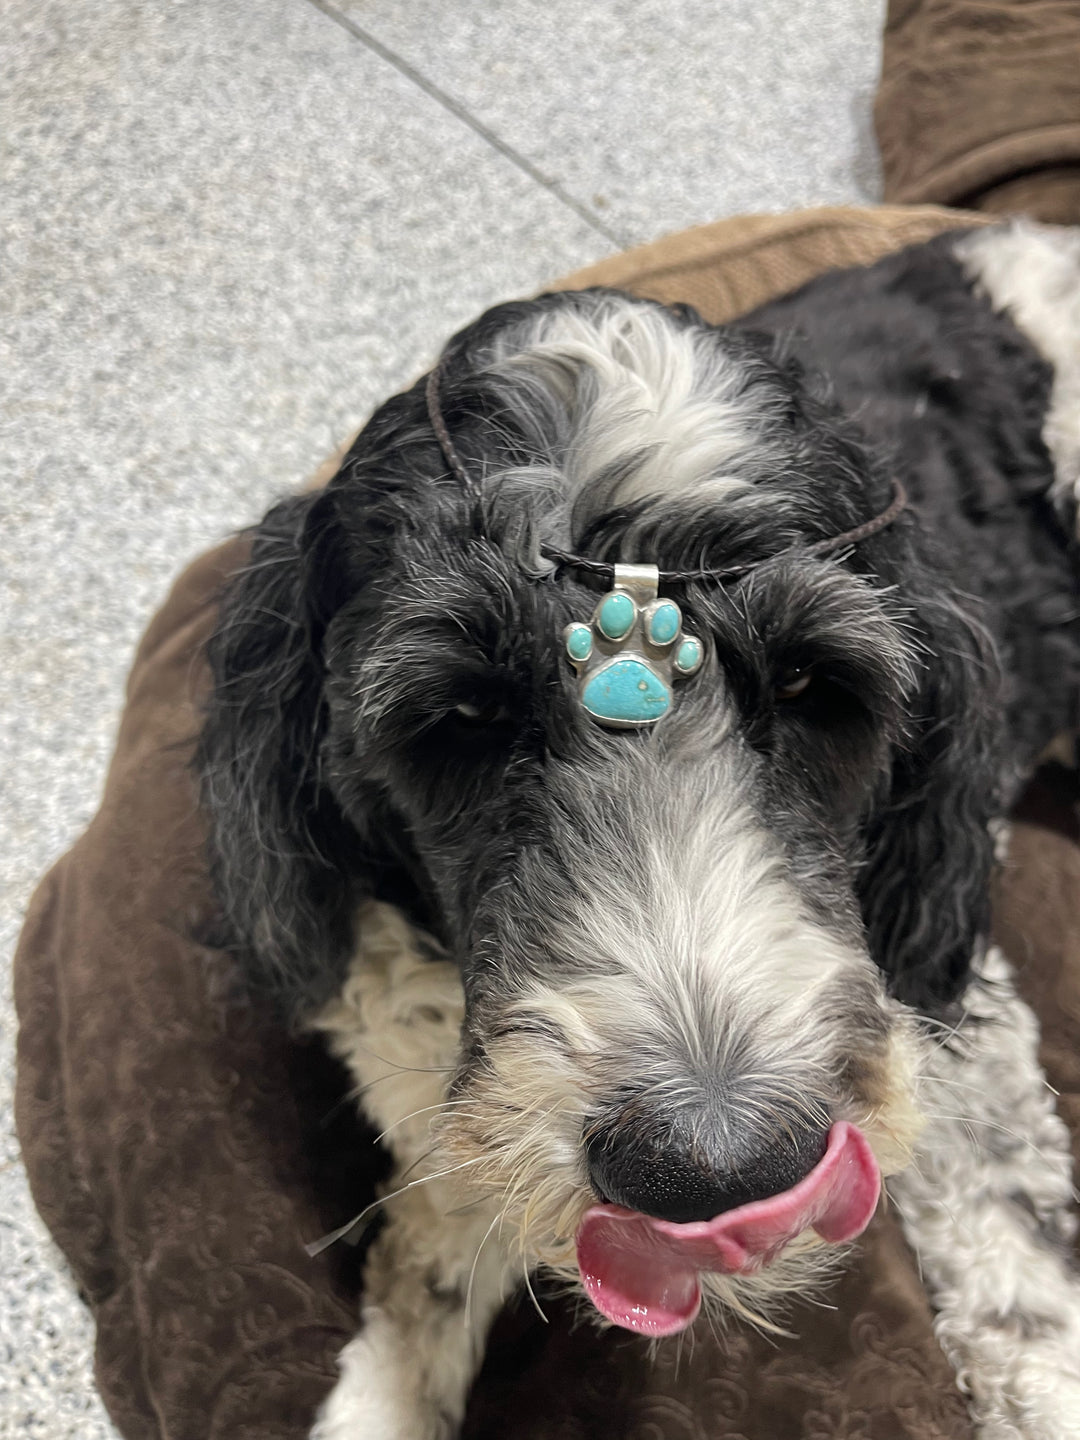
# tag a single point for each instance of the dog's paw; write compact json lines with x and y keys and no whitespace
{"x":380,"y":1394}
{"x":627,"y":656}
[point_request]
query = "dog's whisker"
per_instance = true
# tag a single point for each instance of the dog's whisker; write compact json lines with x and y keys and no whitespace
{"x":404,"y":1069}
{"x":361,"y":1090}
{"x":982,"y":1122}
{"x":419,"y":1160}
{"x":438,"y":1175}
{"x":948,"y":1031}
{"x":467,"y":1208}
{"x":440,"y":1106}
{"x":532,"y":1292}
{"x":472,"y":1272}
{"x":316,"y":1247}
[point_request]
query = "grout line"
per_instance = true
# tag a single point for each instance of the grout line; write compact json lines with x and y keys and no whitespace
{"x":458,"y":110}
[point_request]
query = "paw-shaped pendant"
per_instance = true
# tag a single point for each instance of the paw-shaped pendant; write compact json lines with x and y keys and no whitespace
{"x":631,"y":652}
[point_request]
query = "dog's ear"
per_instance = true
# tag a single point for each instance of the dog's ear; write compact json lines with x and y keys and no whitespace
{"x":924,"y":887}
{"x":285,"y":860}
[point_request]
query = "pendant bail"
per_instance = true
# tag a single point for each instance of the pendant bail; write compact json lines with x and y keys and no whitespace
{"x":642,"y":581}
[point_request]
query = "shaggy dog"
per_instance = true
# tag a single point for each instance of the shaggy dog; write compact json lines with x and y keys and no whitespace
{"x":648,"y":905}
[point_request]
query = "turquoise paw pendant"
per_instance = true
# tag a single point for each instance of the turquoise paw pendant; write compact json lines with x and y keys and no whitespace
{"x":630,"y":653}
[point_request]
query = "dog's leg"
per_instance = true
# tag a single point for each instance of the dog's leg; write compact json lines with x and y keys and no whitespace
{"x":988,"y":1209}
{"x":439,"y":1270}
{"x":425,"y":1318}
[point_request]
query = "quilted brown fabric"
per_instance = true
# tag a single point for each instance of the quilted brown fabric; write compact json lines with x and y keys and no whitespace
{"x":160,"y":1116}
{"x":979,"y":105}
{"x":181,"y":1147}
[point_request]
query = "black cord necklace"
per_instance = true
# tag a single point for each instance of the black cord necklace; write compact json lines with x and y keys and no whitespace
{"x":604,"y":570}
{"x":634,"y":648}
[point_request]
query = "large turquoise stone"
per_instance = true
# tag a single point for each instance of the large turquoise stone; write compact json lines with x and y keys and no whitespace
{"x":664,"y":623}
{"x":626,"y":692}
{"x":615,"y":615}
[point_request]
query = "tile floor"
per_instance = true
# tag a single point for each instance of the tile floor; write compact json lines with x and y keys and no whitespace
{"x":226,"y":230}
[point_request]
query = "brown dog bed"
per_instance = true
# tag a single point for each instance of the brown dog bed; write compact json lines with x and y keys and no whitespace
{"x":979,"y":105}
{"x":182,"y":1148}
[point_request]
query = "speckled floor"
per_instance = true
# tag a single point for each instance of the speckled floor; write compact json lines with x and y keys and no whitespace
{"x":226,"y":230}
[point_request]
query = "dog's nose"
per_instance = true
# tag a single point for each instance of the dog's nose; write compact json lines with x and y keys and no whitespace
{"x":672,"y":1180}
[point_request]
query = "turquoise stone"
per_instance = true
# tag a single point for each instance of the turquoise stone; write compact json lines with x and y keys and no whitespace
{"x":626,"y":692}
{"x":616,"y":615}
{"x":688,"y":656}
{"x":664,"y":623}
{"x":579,"y":642}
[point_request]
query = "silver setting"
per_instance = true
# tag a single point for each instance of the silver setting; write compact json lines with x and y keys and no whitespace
{"x":654,"y":662}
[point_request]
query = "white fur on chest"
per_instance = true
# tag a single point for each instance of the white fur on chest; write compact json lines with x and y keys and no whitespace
{"x":437,"y":1274}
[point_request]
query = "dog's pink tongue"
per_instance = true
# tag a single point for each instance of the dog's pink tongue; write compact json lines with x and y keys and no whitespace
{"x":643,"y":1273}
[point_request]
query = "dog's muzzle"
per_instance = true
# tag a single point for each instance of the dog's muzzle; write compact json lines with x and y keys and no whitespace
{"x":642,"y":1271}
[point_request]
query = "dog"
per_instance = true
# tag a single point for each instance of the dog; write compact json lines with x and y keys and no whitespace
{"x":611,"y":763}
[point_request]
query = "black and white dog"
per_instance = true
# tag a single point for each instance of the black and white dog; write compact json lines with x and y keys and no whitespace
{"x":622,"y":805}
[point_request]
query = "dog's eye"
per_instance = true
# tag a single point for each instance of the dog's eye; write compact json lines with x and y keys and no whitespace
{"x":793,"y":683}
{"x":477,"y":714}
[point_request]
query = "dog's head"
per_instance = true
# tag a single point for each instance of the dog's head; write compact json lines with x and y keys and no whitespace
{"x":693,"y":954}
